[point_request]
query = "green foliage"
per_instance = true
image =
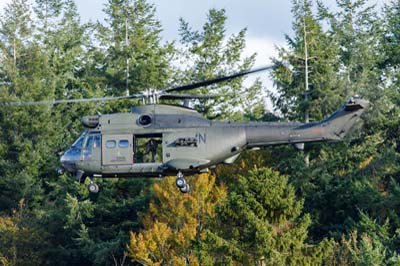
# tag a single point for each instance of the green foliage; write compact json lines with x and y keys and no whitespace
{"x":22,"y":240}
{"x":131,"y":55}
{"x":261,"y":224}
{"x":361,"y":249}
{"x":323,"y":94}
{"x":209,"y":54}
{"x":340,"y":208}
{"x":344,"y":182}
{"x":391,"y":35}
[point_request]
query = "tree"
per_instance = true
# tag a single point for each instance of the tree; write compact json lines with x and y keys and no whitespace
{"x":356,"y":28}
{"x":350,"y":190}
{"x":21,"y":146}
{"x":323,"y":96}
{"x":47,"y":11}
{"x":391,"y":35}
{"x":15,"y":27}
{"x":22,"y":240}
{"x":174,"y":222}
{"x":134,"y":58}
{"x":210,"y":53}
{"x":361,"y":249}
{"x":390,"y":76}
{"x":261,"y":224}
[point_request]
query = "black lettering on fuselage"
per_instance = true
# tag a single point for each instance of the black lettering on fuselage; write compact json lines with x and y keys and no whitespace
{"x":201,"y":138}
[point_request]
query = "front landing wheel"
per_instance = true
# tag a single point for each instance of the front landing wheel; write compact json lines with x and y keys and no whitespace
{"x":93,"y":187}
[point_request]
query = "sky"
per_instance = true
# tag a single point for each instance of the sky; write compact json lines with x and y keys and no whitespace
{"x":267,"y":21}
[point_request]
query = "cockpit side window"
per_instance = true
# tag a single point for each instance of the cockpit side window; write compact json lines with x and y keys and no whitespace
{"x":93,"y":142}
{"x":78,"y":143}
{"x":89,"y":143}
{"x":97,"y":141}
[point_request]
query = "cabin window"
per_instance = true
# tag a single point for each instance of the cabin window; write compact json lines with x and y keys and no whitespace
{"x":123,"y":143}
{"x":111,"y":144}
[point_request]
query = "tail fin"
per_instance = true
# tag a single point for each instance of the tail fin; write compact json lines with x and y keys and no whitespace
{"x":342,"y":121}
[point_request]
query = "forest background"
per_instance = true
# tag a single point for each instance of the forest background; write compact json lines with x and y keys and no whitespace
{"x":331,"y":204}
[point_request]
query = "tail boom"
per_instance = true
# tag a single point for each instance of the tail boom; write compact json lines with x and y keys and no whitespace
{"x":333,"y":128}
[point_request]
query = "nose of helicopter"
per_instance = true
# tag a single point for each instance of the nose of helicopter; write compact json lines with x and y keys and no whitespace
{"x":68,"y":160}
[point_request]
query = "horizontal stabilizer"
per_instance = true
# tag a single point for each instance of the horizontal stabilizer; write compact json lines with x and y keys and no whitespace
{"x":341,"y":122}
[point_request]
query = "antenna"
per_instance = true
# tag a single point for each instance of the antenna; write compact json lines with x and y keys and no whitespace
{"x":127,"y":58}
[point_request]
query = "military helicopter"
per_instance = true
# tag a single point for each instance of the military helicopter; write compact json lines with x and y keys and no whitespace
{"x":155,"y":140}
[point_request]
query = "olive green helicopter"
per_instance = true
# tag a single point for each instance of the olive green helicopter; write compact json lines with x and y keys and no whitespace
{"x":155,"y":140}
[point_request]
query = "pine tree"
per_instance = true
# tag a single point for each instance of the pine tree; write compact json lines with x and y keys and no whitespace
{"x":261,"y":224}
{"x":135,"y":60}
{"x":23,"y":241}
{"x":356,"y":28}
{"x":49,"y":62}
{"x":20,"y":135}
{"x":391,"y":36}
{"x":209,"y":53}
{"x":323,"y":94}
{"x":391,"y":74}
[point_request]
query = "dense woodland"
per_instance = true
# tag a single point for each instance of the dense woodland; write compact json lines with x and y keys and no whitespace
{"x":331,"y":204}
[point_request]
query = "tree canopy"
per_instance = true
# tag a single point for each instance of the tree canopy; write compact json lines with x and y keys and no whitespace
{"x":333,"y":204}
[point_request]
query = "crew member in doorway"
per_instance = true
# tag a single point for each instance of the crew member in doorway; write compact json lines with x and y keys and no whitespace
{"x":151,"y":147}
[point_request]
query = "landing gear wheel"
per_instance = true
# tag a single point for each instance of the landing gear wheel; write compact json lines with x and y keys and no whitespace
{"x":185,"y":189}
{"x":93,"y":187}
{"x":180,"y":182}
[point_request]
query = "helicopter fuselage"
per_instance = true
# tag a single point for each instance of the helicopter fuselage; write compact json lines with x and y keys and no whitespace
{"x":158,"y":140}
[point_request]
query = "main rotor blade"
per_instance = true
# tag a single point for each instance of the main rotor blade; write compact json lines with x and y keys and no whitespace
{"x":216,"y":80}
{"x":50,"y":102}
{"x":186,"y":96}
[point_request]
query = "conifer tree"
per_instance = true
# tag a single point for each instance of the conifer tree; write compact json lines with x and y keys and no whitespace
{"x":23,"y":241}
{"x":261,"y":224}
{"x":209,"y":53}
{"x":134,"y":57}
{"x":391,"y":35}
{"x":391,"y":74}
{"x":356,"y":27}
{"x":323,"y":94}
{"x":20,"y":159}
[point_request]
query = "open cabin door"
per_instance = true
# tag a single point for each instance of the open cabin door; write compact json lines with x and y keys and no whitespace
{"x":148,"y":148}
{"x":117,"y":149}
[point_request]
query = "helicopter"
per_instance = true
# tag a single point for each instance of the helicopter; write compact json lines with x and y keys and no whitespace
{"x":156,"y":140}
